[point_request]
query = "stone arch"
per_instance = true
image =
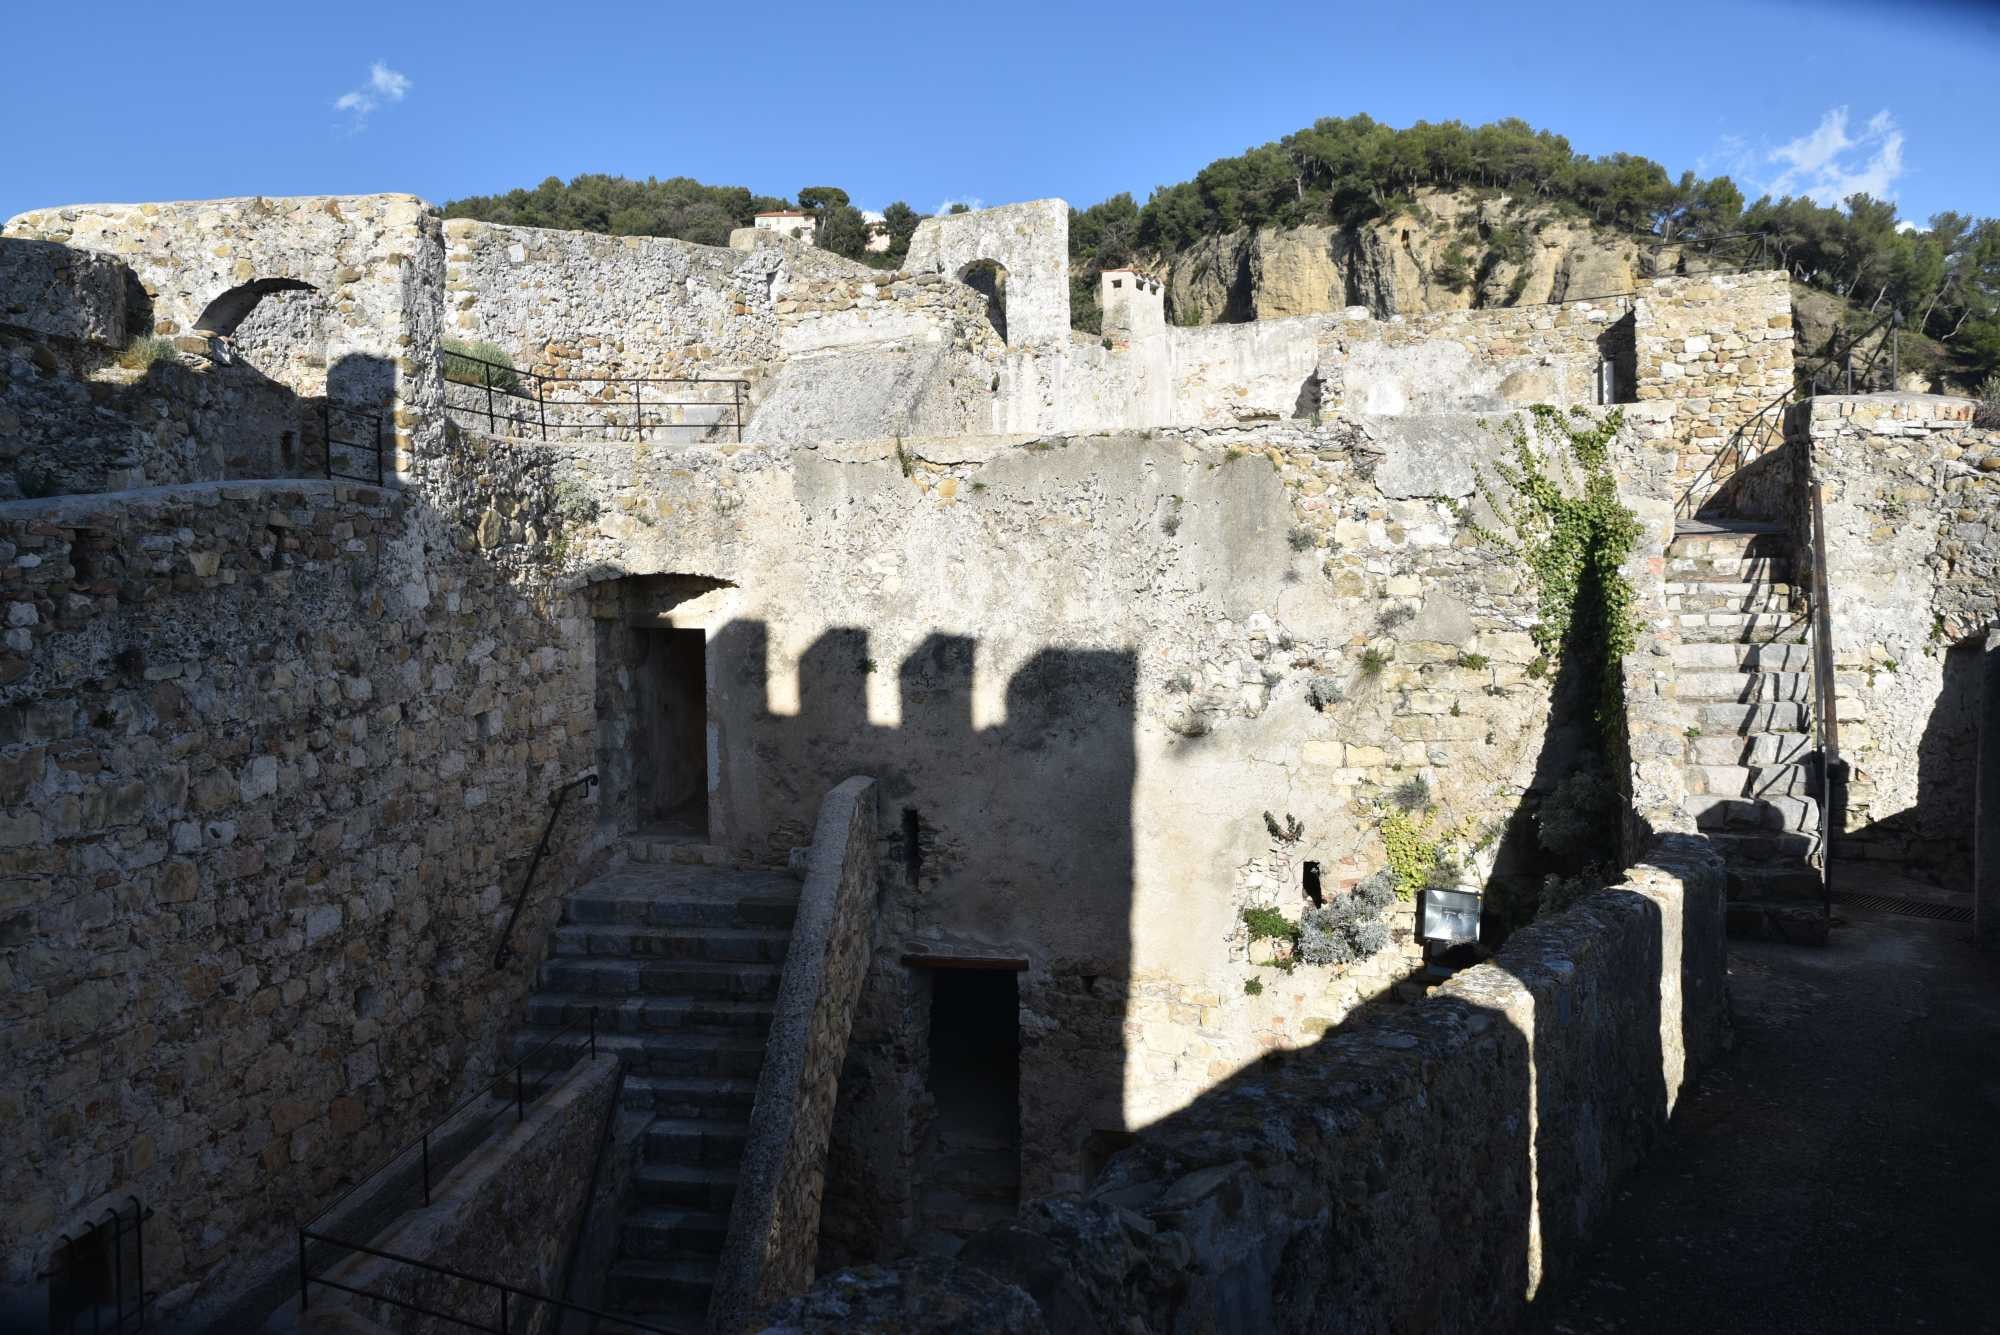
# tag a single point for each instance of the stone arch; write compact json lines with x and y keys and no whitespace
{"x":1030,"y":241}
{"x":988,"y":277}
{"x":220,"y":318}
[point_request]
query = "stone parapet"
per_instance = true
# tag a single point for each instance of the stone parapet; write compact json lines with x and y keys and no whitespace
{"x":1430,"y":1172}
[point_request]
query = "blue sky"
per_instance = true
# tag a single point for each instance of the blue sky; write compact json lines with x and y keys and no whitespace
{"x":989,"y":103}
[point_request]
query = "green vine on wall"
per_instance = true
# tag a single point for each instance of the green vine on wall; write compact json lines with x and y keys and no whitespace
{"x":1570,"y":530}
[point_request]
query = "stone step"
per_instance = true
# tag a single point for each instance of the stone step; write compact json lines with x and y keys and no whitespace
{"x":1728,"y":569}
{"x":629,"y":1014}
{"x":676,"y":849}
{"x":1753,"y":813}
{"x":1794,"y":780}
{"x":1729,"y":597}
{"x":1741,"y":628}
{"x":1736,"y":543}
{"x":1775,"y":885}
{"x":592,"y":907}
{"x":679,"y":1289}
{"x":1799,"y":924}
{"x":726,"y":1055}
{"x":726,"y":945}
{"x":710,"y":1187}
{"x":1764,"y":748}
{"x":697,"y":1098}
{"x":682,"y":978}
{"x":1743,"y":687}
{"x":1743,"y":657}
{"x":662,"y":1233}
{"x":1781,"y":716}
{"x":695,"y":1140}
{"x":1774,"y":848}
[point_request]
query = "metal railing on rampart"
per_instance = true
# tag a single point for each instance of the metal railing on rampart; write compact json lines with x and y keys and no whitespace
{"x":500,"y":398}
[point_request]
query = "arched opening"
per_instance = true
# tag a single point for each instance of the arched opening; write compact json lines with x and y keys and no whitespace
{"x":989,"y":279}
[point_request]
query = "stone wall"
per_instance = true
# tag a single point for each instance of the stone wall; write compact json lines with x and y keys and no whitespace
{"x":51,"y":289}
{"x":272,"y":757}
{"x":1719,"y":348}
{"x":1090,"y":665}
{"x":364,"y":336}
{"x":774,"y":1218}
{"x":74,"y":422}
{"x":1430,"y":1172}
{"x":1470,"y":360}
{"x":1912,"y":503}
{"x":1030,"y":241}
{"x":509,"y":1212}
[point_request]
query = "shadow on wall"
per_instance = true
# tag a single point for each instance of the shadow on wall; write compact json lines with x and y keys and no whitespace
{"x":1007,"y":852}
{"x":1936,"y":834}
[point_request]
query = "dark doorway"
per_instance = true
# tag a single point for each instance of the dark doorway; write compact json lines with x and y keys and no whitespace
{"x":969,"y":1162}
{"x":670,"y":739}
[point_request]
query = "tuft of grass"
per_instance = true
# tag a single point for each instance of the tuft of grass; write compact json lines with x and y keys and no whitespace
{"x":1301,"y":539}
{"x":143,"y":351}
{"x":1473,"y":661}
{"x":462,"y":358}
{"x":1253,"y":987}
{"x":1267,"y":924}
{"x":1373,"y":660}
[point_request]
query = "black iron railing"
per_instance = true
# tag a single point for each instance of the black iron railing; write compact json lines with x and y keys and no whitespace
{"x":505,"y":950}
{"x":97,"y":1279}
{"x":501,"y":1303}
{"x":353,"y":439}
{"x":1826,"y":711}
{"x":1833,"y":372}
{"x":493,"y":394}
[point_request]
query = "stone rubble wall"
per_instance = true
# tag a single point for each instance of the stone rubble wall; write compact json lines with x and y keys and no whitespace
{"x":1719,"y":348}
{"x":1912,"y":502}
{"x":508,"y":1212}
{"x":50,"y":289}
{"x":72,"y":423}
{"x":272,"y":759}
{"x":774,"y":1219}
{"x":1431,"y":1172}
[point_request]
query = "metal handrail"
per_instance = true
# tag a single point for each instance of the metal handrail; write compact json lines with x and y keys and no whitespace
{"x":505,"y":950}
{"x":327,"y":409}
{"x":1826,"y":711}
{"x":1806,"y":383}
{"x":499,"y":381}
{"x":309,"y":1233}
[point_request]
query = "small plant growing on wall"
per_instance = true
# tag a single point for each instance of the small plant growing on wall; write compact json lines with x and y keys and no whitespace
{"x":1567,"y":526}
{"x":1253,"y":987}
{"x":1289,"y":832}
{"x":463,"y":360}
{"x":1373,"y":660}
{"x":1351,"y":927}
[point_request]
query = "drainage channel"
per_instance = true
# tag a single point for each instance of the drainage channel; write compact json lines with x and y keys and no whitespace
{"x":1909,"y":908}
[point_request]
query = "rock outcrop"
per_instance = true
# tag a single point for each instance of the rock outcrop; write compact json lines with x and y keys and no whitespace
{"x":1451,"y":251}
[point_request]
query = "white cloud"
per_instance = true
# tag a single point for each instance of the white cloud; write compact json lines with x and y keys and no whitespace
{"x":384,"y":85}
{"x":970,"y":201}
{"x":1830,"y":164}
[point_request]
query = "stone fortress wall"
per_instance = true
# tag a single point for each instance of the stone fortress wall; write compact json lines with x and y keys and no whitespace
{"x":1912,"y":502}
{"x":1229,"y":571}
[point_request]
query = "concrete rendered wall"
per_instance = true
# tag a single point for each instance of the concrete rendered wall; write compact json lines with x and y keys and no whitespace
{"x":1426,"y":1173}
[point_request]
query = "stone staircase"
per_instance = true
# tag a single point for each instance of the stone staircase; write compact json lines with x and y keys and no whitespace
{"x":683,"y":964}
{"x":1745,"y":683}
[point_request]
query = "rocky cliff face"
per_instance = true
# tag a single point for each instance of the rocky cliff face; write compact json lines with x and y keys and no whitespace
{"x":1450,"y":252}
